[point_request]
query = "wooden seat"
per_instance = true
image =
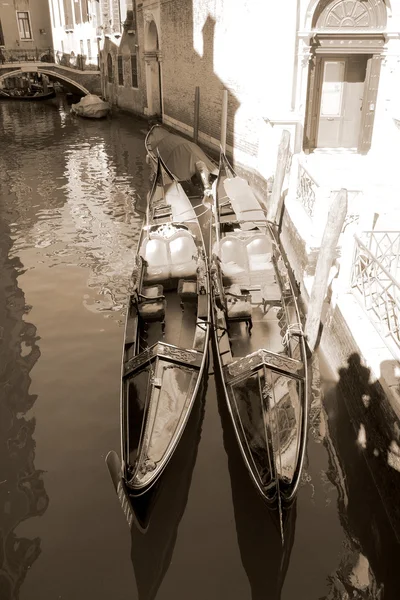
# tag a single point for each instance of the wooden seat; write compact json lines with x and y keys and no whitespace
{"x":271,"y":296}
{"x":238,"y":306}
{"x":187,"y":290}
{"x":152,"y":305}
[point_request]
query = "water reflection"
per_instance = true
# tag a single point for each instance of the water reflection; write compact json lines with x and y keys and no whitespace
{"x":22,"y":492}
{"x":264,"y":558}
{"x":152,"y":551}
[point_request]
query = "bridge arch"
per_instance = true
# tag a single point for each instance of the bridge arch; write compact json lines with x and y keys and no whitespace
{"x":56,"y":76}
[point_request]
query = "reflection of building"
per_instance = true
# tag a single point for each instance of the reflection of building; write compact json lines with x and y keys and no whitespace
{"x":25,"y":27}
{"x":75,"y":27}
{"x":22,"y":492}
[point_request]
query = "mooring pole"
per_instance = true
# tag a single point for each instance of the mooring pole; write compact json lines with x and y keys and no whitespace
{"x":224,"y":119}
{"x":333,"y":227}
{"x":196,"y":114}
{"x":280,"y":171}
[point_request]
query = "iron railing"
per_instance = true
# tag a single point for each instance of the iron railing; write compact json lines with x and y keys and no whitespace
{"x":79,"y":61}
{"x":385,"y":246}
{"x":377,"y":290}
{"x":20,"y":55}
{"x":306,"y":192}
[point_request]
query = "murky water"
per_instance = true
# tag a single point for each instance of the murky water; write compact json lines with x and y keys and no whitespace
{"x":71,"y":192}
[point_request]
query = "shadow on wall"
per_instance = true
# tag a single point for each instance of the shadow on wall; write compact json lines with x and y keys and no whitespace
{"x":22,"y":492}
{"x":365,"y":433}
{"x":184,"y":68}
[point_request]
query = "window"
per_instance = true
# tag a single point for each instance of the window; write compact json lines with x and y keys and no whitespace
{"x":89,"y":49}
{"x":120,"y":71}
{"x":81,"y":47}
{"x":109,"y":68}
{"x":24,"y":26}
{"x":134,"y":71}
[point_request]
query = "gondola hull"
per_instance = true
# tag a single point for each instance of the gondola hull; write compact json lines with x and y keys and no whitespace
{"x":33,"y":98}
{"x":166,"y":336}
{"x":259,"y":342}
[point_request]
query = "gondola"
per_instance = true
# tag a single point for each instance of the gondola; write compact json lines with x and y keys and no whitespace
{"x":186,"y":160}
{"x":259,"y":341}
{"x":32,"y":98}
{"x":166,"y":338}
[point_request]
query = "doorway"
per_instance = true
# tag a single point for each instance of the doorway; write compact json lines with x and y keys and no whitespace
{"x":341,"y":94}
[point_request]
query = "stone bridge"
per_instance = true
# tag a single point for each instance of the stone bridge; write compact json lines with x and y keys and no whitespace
{"x":86,"y":82}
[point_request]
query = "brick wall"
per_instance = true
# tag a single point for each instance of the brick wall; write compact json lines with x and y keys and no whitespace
{"x":217,"y":45}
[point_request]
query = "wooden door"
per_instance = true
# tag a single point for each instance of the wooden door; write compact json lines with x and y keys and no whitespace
{"x":370,"y":96}
{"x":341,"y":101}
{"x":331,"y":103}
{"x":356,"y":68}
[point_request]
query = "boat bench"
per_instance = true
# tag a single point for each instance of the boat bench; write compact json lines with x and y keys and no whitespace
{"x":152,"y":305}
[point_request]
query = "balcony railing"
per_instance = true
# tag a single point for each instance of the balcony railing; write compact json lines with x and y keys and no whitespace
{"x":385,"y":246}
{"x":375,"y":286}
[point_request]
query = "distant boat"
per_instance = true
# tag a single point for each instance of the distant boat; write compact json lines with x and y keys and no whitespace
{"x":27,"y":98}
{"x":91,"y":107}
{"x":259,"y":341}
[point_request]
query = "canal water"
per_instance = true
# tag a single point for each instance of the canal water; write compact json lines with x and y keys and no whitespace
{"x":71,"y":196}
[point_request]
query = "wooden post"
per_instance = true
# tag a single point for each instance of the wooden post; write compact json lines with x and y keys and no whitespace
{"x":280,"y":171}
{"x":333,"y":227}
{"x":224,"y":119}
{"x":196,"y":114}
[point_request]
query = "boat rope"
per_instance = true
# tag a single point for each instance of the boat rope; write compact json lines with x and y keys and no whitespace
{"x":294,"y":329}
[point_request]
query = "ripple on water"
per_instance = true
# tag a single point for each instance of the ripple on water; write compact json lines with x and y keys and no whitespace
{"x":70,"y":193}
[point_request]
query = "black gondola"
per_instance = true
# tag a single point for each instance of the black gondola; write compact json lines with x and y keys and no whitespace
{"x":166,"y":337}
{"x":25,"y":98}
{"x":259,"y":341}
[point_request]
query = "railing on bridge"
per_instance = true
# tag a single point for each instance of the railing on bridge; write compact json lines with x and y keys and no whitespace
{"x":20,"y":55}
{"x":375,"y":282}
{"x":79,"y":61}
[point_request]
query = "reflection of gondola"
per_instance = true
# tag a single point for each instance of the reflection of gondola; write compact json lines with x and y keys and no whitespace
{"x":156,"y":515}
{"x":166,"y":337}
{"x":259,"y":341}
{"x":264,"y":557}
{"x":25,"y":98}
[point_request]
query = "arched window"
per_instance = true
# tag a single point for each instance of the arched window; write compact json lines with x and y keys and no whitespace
{"x":350,"y":14}
{"x":110,"y":68}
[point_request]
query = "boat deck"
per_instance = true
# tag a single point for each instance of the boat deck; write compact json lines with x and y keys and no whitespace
{"x":179,"y":325}
{"x":265,"y":333}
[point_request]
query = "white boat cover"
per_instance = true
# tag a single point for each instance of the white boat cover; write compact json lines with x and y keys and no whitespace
{"x":91,"y":106}
{"x":246,"y":206}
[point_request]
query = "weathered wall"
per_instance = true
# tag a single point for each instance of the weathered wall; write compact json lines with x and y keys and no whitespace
{"x":39,"y":19}
{"x":218,"y":45}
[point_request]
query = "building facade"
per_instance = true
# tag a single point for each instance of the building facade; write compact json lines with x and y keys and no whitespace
{"x":122,"y":75}
{"x":25,"y":27}
{"x":76,"y":32}
{"x":328,"y":71}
